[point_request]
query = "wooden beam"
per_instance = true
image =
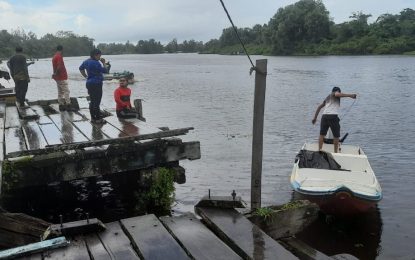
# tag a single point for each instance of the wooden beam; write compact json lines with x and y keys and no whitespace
{"x":61,"y":166}
{"x":245,"y":238}
{"x":121,"y":140}
{"x":33,"y":248}
{"x":258,"y":130}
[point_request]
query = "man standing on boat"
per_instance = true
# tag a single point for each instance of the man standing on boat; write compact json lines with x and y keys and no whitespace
{"x":18,"y":71}
{"x":330,"y":116}
{"x":61,"y":76}
{"x":93,"y":70}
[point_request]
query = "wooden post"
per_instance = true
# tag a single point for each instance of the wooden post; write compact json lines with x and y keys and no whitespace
{"x":258,"y":130}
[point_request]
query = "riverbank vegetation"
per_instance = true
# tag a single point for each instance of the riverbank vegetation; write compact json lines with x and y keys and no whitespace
{"x":303,"y":28}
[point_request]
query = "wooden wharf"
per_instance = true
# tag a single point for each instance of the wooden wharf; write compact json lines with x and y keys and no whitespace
{"x":218,"y":232}
{"x":42,"y":145}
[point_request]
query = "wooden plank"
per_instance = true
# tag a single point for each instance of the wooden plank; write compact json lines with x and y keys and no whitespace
{"x":117,"y":243}
{"x":68,"y":115}
{"x":2,"y":109}
{"x":1,"y":145}
{"x":33,"y":248}
{"x":92,"y":132}
{"x":37,"y":256}
{"x":83,"y":102}
{"x":75,"y":251}
{"x":245,"y":238}
{"x":303,"y":250}
{"x":52,"y":134}
{"x":151,"y":239}
{"x":15,"y":140}
{"x":107,"y":129}
{"x":258,"y":131}
{"x":69,"y":132}
{"x":131,"y":126}
{"x":38,"y":110}
{"x":129,"y":139}
{"x":26,"y":112}
{"x":44,"y":120}
{"x":33,"y":135}
{"x":95,"y":248}
{"x":12,"y":117}
{"x":75,"y":227}
{"x":194,"y":237}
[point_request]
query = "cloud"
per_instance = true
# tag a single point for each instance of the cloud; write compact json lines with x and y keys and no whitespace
{"x":163,"y":20}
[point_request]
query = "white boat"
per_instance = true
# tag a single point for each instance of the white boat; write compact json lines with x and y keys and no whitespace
{"x":340,"y":183}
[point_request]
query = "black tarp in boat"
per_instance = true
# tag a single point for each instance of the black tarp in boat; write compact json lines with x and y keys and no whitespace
{"x":318,"y":160}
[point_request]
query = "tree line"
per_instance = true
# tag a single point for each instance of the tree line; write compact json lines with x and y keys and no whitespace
{"x":305,"y":28}
{"x":302,"y":28}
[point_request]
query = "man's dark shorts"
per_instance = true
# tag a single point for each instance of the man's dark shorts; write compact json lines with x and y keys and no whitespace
{"x":331,"y":121}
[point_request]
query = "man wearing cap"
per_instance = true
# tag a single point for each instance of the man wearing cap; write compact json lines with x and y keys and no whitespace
{"x":93,"y":69}
{"x":18,"y":71}
{"x":330,"y":116}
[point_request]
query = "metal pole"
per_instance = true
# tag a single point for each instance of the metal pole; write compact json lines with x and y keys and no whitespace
{"x":258,"y":130}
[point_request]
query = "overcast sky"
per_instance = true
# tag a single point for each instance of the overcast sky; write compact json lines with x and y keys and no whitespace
{"x":163,"y":20}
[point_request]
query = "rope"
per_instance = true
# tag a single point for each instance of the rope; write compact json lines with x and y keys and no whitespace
{"x":347,"y":111}
{"x":239,"y":38}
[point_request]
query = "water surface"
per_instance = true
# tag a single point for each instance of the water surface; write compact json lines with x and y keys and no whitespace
{"x":214,"y":94}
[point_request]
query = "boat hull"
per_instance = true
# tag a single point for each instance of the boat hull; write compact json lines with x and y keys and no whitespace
{"x":341,"y":203}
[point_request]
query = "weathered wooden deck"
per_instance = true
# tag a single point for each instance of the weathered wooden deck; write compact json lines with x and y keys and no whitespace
{"x":183,"y":237}
{"x":41,"y":145}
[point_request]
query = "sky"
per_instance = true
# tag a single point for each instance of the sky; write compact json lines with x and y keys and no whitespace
{"x":118,"y":21}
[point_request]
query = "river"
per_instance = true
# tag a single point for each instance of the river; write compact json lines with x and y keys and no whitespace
{"x":214,"y":94}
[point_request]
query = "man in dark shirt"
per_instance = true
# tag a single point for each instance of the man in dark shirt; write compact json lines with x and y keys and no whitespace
{"x":92,"y":69}
{"x":18,"y":71}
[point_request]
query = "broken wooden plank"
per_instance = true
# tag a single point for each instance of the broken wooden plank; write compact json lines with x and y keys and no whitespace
{"x":121,"y":140}
{"x":95,"y":247}
{"x":246,"y":239}
{"x":15,"y":140}
{"x":18,"y":229}
{"x":116,"y":242}
{"x":33,"y":248}
{"x":194,"y":237}
{"x":33,"y":135}
{"x":12,"y":117}
{"x":149,"y":237}
{"x":69,"y":132}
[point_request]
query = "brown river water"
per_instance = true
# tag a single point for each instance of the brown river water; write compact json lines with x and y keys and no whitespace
{"x":214,"y":94}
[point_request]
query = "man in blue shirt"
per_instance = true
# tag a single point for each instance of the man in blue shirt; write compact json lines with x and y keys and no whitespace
{"x":92,"y":69}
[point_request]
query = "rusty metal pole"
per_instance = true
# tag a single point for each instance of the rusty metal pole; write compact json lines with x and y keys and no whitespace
{"x":258,"y":130}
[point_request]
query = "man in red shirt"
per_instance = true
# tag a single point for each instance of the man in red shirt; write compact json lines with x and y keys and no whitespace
{"x":61,"y":76}
{"x":122,"y":99}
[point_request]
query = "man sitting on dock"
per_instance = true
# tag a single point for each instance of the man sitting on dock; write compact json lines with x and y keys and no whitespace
{"x":122,"y":99}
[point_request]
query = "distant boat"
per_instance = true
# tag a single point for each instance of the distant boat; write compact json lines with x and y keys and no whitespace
{"x":117,"y":75}
{"x":340,"y":183}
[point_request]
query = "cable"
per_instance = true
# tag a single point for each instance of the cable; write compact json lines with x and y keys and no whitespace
{"x":237,"y":35}
{"x":347,"y":111}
